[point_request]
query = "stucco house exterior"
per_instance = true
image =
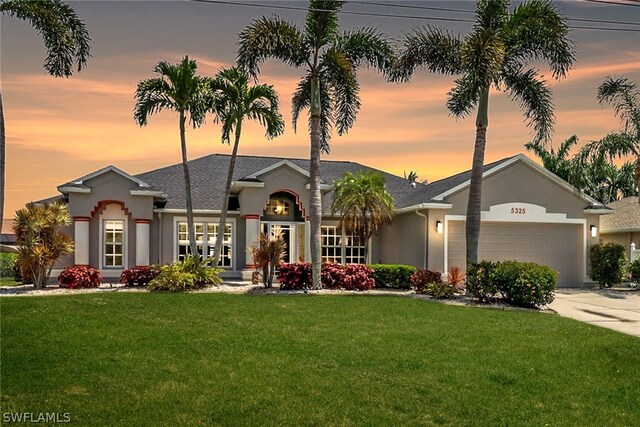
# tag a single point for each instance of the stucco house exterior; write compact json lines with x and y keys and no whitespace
{"x":122,"y":221}
{"x":623,"y":226}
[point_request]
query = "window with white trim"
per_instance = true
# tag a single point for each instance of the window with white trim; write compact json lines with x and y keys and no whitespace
{"x":113,"y":241}
{"x":206,"y":234}
{"x":339,"y":248}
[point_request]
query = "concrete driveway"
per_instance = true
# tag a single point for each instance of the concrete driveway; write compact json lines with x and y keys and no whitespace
{"x":614,"y":310}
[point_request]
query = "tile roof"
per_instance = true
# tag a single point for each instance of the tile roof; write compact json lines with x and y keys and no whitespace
{"x":626,"y":216}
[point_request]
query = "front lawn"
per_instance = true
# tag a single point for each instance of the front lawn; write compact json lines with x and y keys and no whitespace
{"x":143,"y":359}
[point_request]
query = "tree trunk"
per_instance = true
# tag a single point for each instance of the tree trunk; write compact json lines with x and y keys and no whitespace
{"x":315,"y":196}
{"x":472,"y":230}
{"x":2,"y":161}
{"x":187,"y":187}
{"x":225,"y":201}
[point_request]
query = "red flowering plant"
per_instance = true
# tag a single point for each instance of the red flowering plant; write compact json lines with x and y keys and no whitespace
{"x":79,"y":277}
{"x":294,"y":276}
{"x":139,"y":276}
{"x":422,"y":278}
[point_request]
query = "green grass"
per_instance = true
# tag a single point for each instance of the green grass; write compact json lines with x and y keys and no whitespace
{"x":215,"y":359}
{"x":9,"y":281}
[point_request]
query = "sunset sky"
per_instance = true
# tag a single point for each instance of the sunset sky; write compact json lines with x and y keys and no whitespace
{"x":60,"y":129}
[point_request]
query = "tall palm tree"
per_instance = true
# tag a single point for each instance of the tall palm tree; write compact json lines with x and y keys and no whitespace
{"x":329,"y":87}
{"x":235,"y":101}
{"x":624,"y":96}
{"x":364,"y":204}
{"x":66,"y":40}
{"x":178,"y":89}
{"x":494,"y":55}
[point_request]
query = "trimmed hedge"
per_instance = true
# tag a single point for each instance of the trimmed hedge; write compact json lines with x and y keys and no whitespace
{"x":79,"y":277}
{"x":634,"y":271}
{"x":608,"y":264}
{"x":393,"y":276}
{"x":526,"y":284}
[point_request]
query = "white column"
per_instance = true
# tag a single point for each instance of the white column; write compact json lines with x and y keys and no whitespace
{"x":252,"y":236}
{"x":81,"y":240}
{"x":307,"y":240}
{"x":142,"y":242}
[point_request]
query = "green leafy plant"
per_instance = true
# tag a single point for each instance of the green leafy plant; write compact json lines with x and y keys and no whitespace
{"x":607,"y":264}
{"x":526,"y":284}
{"x":634,"y":271}
{"x":481,"y":280}
{"x":8,"y":263}
{"x":440,"y":290}
{"x":395,"y":276}
{"x":41,"y":241}
{"x":186,"y":275}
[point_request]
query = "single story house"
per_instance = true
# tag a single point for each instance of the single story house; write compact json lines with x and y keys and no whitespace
{"x":529,"y":214}
{"x":623,"y":226}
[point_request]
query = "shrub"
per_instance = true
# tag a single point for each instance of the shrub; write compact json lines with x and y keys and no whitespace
{"x":139,"y":276}
{"x":607,"y":264}
{"x":186,"y":275}
{"x":481,"y":280}
{"x":456,"y":278}
{"x":294,"y":276}
{"x":267,"y":255}
{"x":79,"y":277}
{"x":397,"y":276}
{"x":8,"y":265}
{"x":440,"y":290}
{"x":634,"y":271}
{"x":334,"y":276}
{"x":526,"y":284}
{"x":422,"y":278}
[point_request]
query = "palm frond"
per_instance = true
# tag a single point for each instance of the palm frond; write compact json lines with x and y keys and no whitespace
{"x":535,"y":99}
{"x":366,"y":46}
{"x":321,"y":25}
{"x":151,"y":97}
{"x":339,"y":74}
{"x":537,"y":31}
{"x":301,"y":100}
{"x":431,"y":48}
{"x":491,"y":14}
{"x":64,"y":34}
{"x":271,"y":38}
{"x":624,"y":96}
{"x":613,"y":145}
{"x":464,"y":96}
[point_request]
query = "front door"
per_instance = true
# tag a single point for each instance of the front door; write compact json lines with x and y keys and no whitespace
{"x":288,"y":234}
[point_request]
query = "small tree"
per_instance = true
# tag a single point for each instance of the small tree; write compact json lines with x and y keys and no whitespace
{"x":40,"y":240}
{"x":364,"y":204}
{"x":267,"y":254}
{"x":608,"y":262}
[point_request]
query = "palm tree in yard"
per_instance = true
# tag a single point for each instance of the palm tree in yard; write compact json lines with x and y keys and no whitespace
{"x":554,"y":161}
{"x":624,"y":96}
{"x":66,"y":40}
{"x":329,"y":87}
{"x":494,"y":56}
{"x":363,"y":203}
{"x":235,"y":101}
{"x":178,"y":88}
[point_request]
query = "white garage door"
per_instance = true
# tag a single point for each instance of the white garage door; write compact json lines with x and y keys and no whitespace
{"x":557,"y":245}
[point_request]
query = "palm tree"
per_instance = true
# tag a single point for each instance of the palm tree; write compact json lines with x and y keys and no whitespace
{"x":66,"y":40}
{"x":177,"y":89}
{"x":234,"y":101}
{"x":494,"y":55}
{"x":364,"y":204}
{"x":624,"y":96}
{"x":329,"y":88}
{"x":40,"y":239}
{"x":557,"y":162}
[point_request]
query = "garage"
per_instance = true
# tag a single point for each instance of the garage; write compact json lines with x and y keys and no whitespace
{"x":559,"y":246}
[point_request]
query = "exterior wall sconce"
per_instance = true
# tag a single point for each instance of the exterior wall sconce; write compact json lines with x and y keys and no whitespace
{"x":594,"y":231}
{"x":439,"y":227}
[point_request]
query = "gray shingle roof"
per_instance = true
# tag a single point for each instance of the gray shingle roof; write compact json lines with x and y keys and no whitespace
{"x":626,"y":215}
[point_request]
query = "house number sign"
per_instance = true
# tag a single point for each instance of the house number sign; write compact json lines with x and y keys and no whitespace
{"x":518,"y":211}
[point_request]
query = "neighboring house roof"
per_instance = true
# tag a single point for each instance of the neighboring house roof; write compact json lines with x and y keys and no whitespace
{"x":626,"y":216}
